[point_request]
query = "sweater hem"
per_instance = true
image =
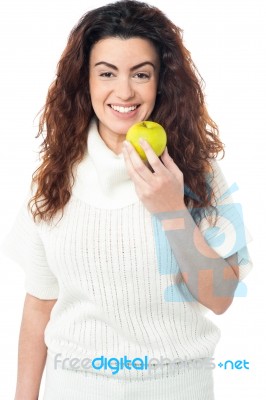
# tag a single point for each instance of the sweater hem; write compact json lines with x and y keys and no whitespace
{"x":64,"y":384}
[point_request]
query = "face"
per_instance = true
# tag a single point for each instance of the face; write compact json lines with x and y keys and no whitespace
{"x":123,"y":83}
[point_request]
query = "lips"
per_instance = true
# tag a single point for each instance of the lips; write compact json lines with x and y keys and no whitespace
{"x":124,"y":109}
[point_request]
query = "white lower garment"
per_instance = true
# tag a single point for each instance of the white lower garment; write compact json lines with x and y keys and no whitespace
{"x":178,"y":384}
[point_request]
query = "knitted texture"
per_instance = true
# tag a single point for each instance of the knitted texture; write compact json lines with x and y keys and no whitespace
{"x":109,"y":264}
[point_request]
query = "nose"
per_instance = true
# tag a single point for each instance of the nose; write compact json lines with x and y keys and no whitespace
{"x":124,"y":89}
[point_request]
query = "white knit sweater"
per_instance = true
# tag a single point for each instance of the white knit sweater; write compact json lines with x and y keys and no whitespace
{"x":103,"y":262}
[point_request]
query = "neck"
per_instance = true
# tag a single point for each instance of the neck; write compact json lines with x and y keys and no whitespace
{"x":101,"y":178}
{"x":111,"y":139}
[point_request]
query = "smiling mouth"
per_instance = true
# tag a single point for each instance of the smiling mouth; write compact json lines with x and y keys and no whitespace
{"x":123,"y":110}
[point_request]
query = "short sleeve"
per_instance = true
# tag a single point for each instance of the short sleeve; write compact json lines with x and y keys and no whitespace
{"x":228,"y":235}
{"x":24,"y":246}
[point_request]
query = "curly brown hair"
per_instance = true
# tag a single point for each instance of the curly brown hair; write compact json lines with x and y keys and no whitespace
{"x":192,"y":136}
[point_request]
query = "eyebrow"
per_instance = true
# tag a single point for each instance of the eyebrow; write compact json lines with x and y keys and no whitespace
{"x":131,"y":69}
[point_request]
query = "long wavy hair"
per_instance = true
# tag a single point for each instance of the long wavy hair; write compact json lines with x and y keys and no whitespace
{"x":192,"y":136}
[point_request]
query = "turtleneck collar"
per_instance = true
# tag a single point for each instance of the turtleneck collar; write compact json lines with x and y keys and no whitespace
{"x":101,"y":178}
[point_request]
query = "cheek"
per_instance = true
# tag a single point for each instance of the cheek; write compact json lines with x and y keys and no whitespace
{"x":151,"y":95}
{"x":95,"y":94}
{"x":98,"y":91}
{"x":151,"y":92}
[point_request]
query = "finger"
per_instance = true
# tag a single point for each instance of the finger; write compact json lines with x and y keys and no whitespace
{"x":137,"y":163}
{"x":169,"y":162}
{"x":153,"y":159}
{"x":136,"y":178}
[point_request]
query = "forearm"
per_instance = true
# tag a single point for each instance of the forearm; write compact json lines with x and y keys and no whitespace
{"x":210,"y":279}
{"x":32,"y":350}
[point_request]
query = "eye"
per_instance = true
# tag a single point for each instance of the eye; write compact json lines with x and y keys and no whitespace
{"x":106,"y":74}
{"x":142,"y":75}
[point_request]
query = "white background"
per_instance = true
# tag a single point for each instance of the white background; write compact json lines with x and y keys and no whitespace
{"x":227,"y":42}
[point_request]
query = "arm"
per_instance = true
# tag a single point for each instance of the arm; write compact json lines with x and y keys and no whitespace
{"x":32,"y":351}
{"x":210,"y":279}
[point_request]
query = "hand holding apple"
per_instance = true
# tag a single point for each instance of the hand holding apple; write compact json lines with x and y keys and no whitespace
{"x":152,"y":132}
{"x":161,"y":189}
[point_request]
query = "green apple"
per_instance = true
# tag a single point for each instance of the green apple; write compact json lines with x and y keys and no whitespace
{"x":152,"y":132}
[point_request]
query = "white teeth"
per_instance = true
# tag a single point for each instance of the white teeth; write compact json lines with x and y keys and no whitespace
{"x":123,"y":109}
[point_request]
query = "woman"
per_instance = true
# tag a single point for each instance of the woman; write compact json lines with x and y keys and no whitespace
{"x":121,"y":256}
